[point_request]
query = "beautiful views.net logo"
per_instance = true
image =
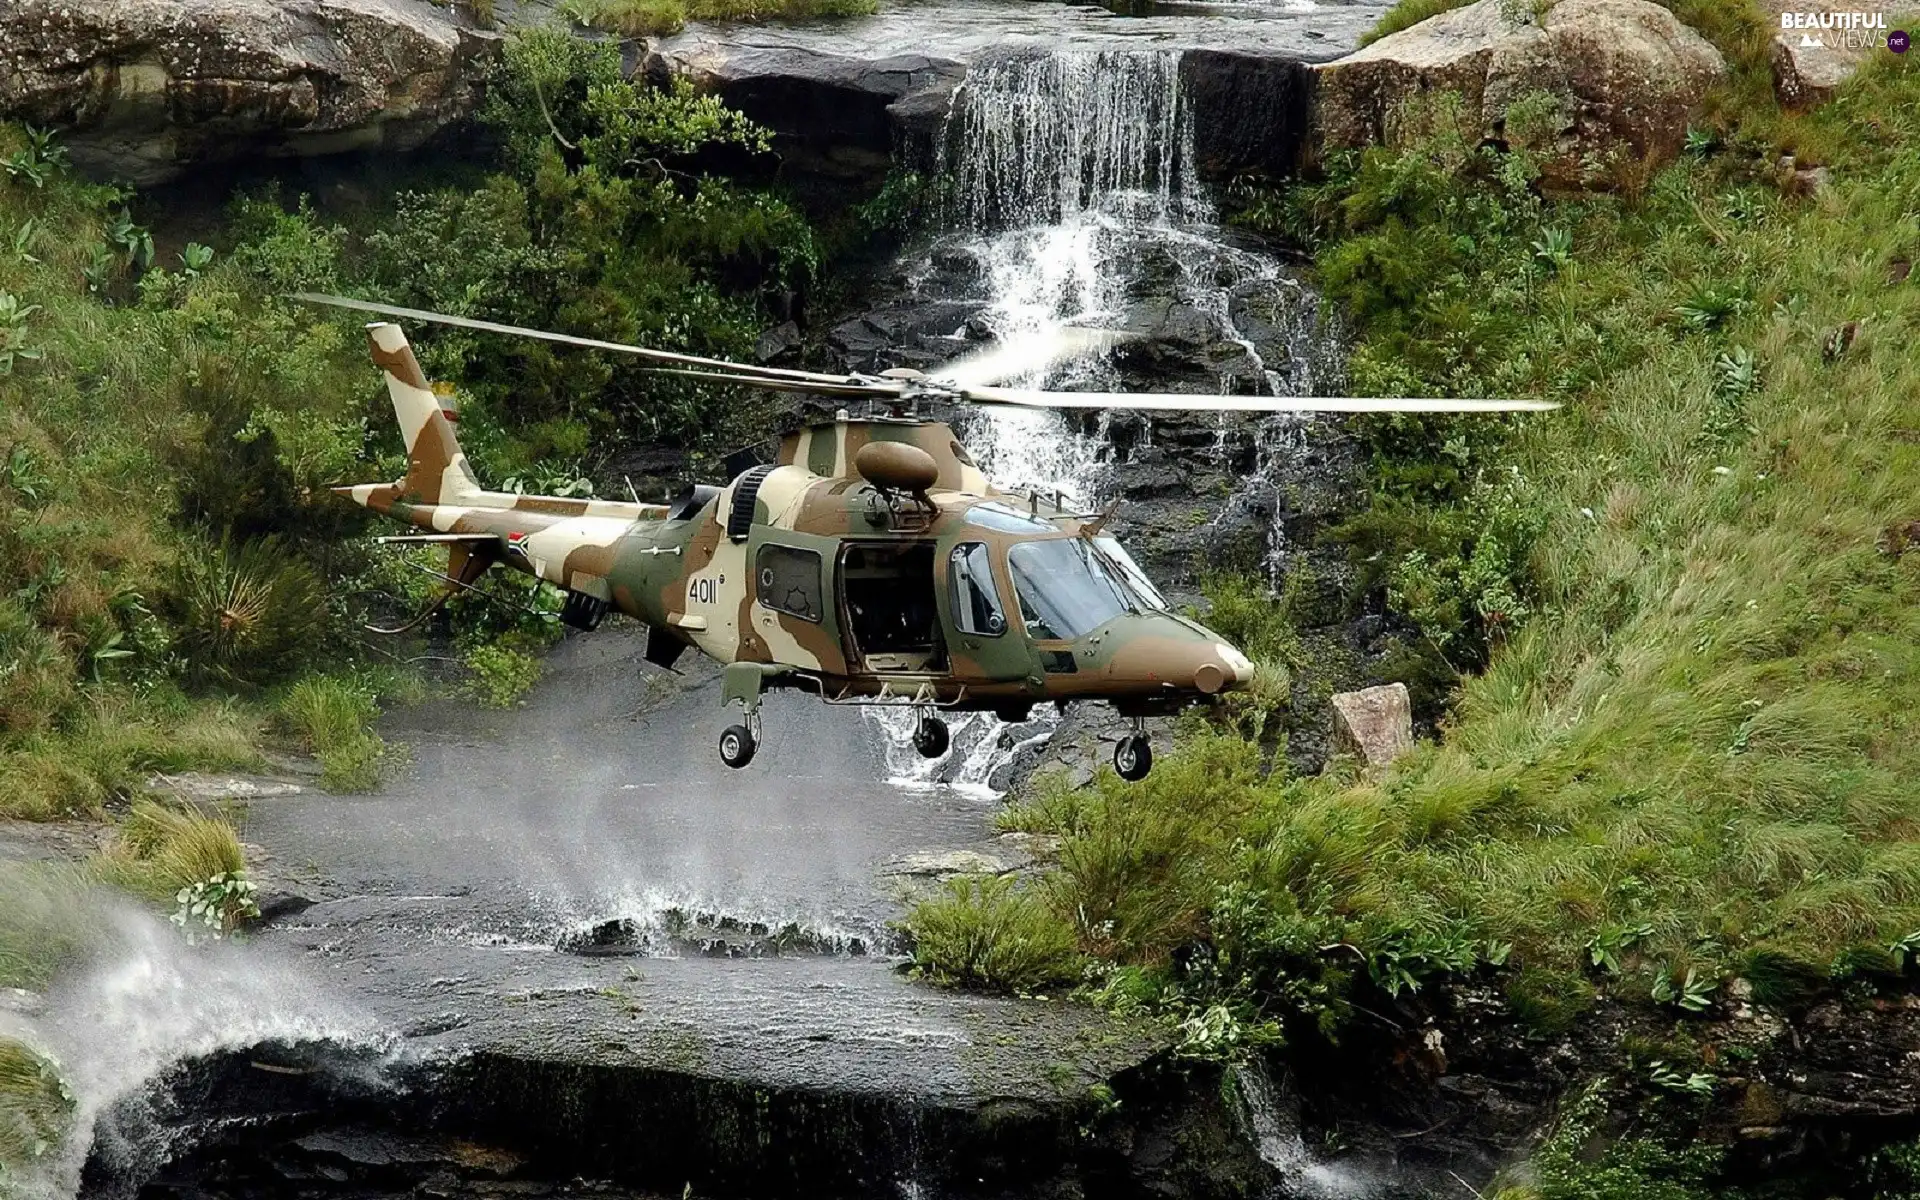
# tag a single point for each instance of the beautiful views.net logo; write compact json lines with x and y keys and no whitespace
{"x":1845,"y":30}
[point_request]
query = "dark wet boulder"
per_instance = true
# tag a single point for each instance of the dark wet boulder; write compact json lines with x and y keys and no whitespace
{"x":831,"y":114}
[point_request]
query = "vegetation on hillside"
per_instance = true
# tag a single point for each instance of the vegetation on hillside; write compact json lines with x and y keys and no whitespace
{"x":650,"y":18}
{"x":185,"y":587}
{"x":1684,"y":610}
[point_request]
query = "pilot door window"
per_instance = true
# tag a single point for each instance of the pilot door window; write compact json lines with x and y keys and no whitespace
{"x":789,"y":581}
{"x":976,"y":601}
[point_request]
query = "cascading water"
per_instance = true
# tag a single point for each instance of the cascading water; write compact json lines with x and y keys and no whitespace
{"x":1076,"y":201}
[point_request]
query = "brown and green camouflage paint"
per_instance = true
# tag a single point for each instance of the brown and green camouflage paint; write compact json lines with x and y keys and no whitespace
{"x":689,"y":577}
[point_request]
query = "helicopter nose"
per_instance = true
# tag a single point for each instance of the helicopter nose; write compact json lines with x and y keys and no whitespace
{"x":1181,"y":654}
{"x":1222,"y":669}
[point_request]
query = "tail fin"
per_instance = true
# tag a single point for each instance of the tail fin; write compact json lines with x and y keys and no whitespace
{"x":437,"y":470}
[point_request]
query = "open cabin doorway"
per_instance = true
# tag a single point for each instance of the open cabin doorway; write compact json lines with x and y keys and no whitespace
{"x":892,"y":620}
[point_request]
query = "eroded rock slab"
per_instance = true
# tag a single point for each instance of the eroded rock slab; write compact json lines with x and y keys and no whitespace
{"x":149,"y":87}
{"x":1597,"y":80}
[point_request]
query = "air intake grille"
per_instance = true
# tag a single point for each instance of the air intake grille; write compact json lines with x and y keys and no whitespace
{"x":745,"y":492}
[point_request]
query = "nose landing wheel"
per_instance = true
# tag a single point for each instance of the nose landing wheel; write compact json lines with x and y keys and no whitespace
{"x":737,"y":744}
{"x":930,"y":736}
{"x":1133,"y":757}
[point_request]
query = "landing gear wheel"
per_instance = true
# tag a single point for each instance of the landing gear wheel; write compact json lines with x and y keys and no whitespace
{"x":1133,"y":757}
{"x":931,"y":738}
{"x":737,"y":745}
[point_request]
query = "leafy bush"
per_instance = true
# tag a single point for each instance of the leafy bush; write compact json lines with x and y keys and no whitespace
{"x":992,"y":934}
{"x":215,"y":907}
{"x":502,"y":674}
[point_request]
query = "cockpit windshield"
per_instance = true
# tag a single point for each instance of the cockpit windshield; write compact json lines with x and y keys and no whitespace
{"x":1130,"y":573}
{"x":1066,"y":590}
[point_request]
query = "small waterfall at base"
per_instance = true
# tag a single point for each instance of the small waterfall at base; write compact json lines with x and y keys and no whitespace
{"x":1273,"y":1122}
{"x":1076,"y":201}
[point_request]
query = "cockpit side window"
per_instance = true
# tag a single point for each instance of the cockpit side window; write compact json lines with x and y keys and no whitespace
{"x":976,"y":601}
{"x":1065,"y":590}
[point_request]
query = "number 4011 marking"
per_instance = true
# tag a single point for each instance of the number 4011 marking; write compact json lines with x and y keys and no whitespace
{"x":703,"y":591}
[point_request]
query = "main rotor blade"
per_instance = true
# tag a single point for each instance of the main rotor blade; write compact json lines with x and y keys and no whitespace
{"x":1176,"y":402}
{"x":878,"y":389}
{"x":663,"y":356}
{"x":1024,"y":354}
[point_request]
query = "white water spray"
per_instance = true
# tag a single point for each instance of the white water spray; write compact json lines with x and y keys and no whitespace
{"x":150,"y":1003}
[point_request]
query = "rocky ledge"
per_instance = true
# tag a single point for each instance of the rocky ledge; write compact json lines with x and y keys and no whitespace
{"x":147,"y":88}
{"x":1609,"y":82}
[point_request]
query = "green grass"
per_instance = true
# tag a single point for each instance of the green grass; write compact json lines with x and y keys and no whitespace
{"x":36,"y":1109}
{"x":333,"y":720}
{"x":47,"y":920}
{"x":993,"y":934}
{"x":162,"y":849}
{"x":111,"y":747}
{"x":1406,"y":14}
{"x":651,"y":18}
{"x":1696,"y":715}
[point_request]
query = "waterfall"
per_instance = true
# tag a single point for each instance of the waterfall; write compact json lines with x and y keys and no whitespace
{"x":1076,"y":201}
{"x":1042,"y":139}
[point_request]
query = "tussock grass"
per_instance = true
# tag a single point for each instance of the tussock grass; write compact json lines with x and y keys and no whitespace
{"x":993,"y":934}
{"x":46,"y":921}
{"x":333,"y":719}
{"x":163,"y":849}
{"x":36,"y":1109}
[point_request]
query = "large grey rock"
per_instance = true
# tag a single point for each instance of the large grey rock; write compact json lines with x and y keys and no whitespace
{"x":1375,"y":724}
{"x":1810,"y":64}
{"x":1625,"y":78}
{"x":149,"y":88}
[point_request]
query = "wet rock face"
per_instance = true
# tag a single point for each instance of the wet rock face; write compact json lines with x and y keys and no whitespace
{"x":149,"y":88}
{"x":833,"y":115}
{"x":1624,"y":79}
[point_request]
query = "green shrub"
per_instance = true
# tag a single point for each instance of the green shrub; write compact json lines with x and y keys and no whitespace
{"x":245,"y":614}
{"x":502,"y":675}
{"x":992,"y":934}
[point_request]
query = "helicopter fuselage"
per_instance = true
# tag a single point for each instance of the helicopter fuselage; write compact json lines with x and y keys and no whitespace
{"x":962,"y":597}
{"x":871,"y":563}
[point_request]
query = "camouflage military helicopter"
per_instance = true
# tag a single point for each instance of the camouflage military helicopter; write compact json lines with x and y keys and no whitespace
{"x":873,"y":563}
